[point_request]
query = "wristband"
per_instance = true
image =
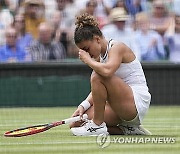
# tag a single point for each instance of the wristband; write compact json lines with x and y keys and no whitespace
{"x":85,"y":104}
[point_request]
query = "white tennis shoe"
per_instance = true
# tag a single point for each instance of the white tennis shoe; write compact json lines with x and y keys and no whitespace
{"x":89,"y":128}
{"x":134,"y":130}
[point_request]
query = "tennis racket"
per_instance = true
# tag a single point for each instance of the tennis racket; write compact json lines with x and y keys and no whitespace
{"x":41,"y":128}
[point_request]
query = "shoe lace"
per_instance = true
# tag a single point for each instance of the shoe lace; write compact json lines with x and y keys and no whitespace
{"x":88,"y":123}
{"x":85,"y":122}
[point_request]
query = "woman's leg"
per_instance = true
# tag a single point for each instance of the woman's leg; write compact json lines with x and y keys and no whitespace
{"x":118,"y":94}
{"x":120,"y":102}
{"x":110,"y":118}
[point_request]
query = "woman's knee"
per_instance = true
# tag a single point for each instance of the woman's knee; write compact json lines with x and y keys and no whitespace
{"x":96,"y":78}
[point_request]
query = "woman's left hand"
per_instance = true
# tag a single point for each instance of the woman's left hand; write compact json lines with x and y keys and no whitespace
{"x":84,"y":56}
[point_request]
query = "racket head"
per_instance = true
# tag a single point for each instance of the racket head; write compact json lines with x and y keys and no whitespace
{"x":27,"y":130}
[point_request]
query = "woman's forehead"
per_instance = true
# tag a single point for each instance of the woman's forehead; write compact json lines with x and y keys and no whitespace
{"x":84,"y":44}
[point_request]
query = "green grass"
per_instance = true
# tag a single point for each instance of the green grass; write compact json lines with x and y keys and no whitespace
{"x":162,"y":121}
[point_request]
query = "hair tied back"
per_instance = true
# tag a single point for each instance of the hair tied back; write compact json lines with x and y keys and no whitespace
{"x":85,"y":20}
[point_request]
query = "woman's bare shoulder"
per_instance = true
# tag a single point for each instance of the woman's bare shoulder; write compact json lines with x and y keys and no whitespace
{"x":124,"y":51}
{"x":119,"y":46}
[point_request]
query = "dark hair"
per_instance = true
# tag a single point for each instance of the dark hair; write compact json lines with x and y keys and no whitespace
{"x":90,"y":3}
{"x":3,"y":3}
{"x":86,"y":28}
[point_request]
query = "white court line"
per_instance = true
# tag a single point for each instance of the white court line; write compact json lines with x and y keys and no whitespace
{"x":47,"y":143}
{"x":160,"y":128}
{"x":155,"y":120}
{"x":168,"y":118}
{"x":52,"y":143}
{"x":45,"y":121}
{"x":145,"y":125}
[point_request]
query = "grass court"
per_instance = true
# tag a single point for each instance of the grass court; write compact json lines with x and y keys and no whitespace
{"x":162,"y":121}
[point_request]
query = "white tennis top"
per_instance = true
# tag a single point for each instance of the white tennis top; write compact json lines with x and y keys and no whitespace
{"x":131,"y":73}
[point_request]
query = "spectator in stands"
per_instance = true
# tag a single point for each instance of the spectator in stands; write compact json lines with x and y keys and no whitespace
{"x":122,"y":4}
{"x":175,"y":7}
{"x":61,"y":5}
{"x":149,"y":42}
{"x":173,"y":39}
{"x":134,"y":6}
{"x":68,"y":10}
{"x":50,"y":7}
{"x":102,"y":11}
{"x":12,"y":4}
{"x":90,"y":8}
{"x":119,"y":30}
{"x":6,"y":19}
{"x":59,"y":34}
{"x":23,"y":38}
{"x":2,"y":34}
{"x":19,"y":2}
{"x":33,"y":16}
{"x":161,"y":21}
{"x":71,"y":12}
{"x":11,"y":52}
{"x":62,"y":35}
{"x":45,"y":48}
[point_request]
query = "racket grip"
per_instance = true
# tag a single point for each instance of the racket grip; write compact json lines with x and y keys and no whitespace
{"x":74,"y":119}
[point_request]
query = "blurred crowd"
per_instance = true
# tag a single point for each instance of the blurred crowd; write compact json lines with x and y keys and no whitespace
{"x":42,"y":30}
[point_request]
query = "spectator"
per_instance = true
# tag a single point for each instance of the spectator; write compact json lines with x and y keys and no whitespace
{"x":61,"y":5}
{"x":19,"y":3}
{"x":134,"y":6}
{"x":90,"y":8}
{"x":118,"y":29}
{"x":45,"y":48}
{"x":59,"y":34}
{"x":50,"y":7}
{"x":173,"y":40}
{"x":102,"y":11}
{"x":23,"y":38}
{"x":149,"y":42}
{"x":6,"y":19}
{"x":33,"y":17}
{"x":57,"y":30}
{"x":11,"y":52}
{"x":67,"y":15}
{"x":71,"y":10}
{"x":160,"y":19}
{"x":176,"y":5}
{"x":11,"y":6}
{"x":63,"y":35}
{"x":121,"y":3}
{"x":2,"y":35}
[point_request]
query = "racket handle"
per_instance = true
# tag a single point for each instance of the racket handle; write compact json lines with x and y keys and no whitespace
{"x":74,"y":119}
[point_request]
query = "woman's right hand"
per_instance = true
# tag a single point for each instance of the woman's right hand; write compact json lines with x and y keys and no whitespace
{"x":79,"y":111}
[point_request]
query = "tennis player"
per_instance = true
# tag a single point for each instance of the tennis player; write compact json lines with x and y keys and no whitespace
{"x":119,"y":97}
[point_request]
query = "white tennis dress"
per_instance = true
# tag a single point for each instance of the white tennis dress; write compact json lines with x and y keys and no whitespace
{"x":132,"y":74}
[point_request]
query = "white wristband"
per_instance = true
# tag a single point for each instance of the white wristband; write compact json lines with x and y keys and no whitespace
{"x":85,"y":104}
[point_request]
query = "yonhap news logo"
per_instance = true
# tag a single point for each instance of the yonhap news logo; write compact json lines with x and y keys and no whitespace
{"x":105,"y":140}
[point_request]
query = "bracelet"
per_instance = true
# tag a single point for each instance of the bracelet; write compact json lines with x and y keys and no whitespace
{"x":85,"y":104}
